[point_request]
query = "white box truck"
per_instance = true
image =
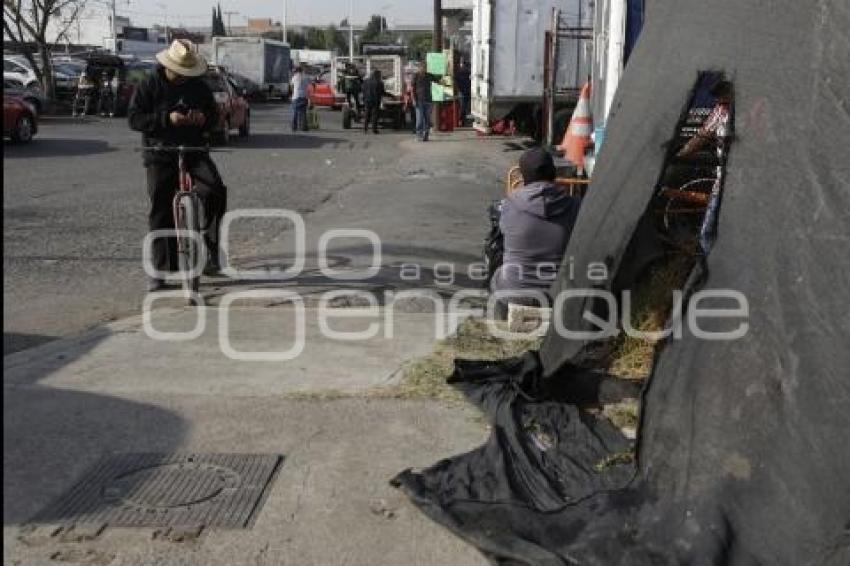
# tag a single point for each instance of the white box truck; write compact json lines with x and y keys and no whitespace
{"x":508,"y":51}
{"x":616,"y":28}
{"x":264,"y":61}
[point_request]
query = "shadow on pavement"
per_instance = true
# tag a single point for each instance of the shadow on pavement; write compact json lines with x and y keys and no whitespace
{"x":56,"y":147}
{"x":16,"y":341}
{"x":51,"y":437}
{"x":286,"y":141}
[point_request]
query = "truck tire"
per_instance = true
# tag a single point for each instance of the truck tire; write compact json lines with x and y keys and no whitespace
{"x":346,"y":118}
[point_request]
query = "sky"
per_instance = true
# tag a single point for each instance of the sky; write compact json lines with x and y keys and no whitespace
{"x":314,"y":12}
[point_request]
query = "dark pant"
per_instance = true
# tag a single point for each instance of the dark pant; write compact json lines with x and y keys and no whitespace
{"x":423,"y":119}
{"x":353,"y":99}
{"x":162,"y":184}
{"x":464,"y":100}
{"x":372,"y":112}
{"x":299,"y":114}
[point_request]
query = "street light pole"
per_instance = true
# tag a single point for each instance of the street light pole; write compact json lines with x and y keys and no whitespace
{"x":229,"y":13}
{"x":351,"y":30}
{"x":164,"y":8}
{"x":283,"y":23}
{"x":112,"y":26}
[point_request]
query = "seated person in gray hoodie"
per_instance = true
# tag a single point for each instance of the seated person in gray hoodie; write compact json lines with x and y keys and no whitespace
{"x":536,"y":221}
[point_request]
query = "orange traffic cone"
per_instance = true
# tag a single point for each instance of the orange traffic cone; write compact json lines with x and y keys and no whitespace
{"x":577,"y":136}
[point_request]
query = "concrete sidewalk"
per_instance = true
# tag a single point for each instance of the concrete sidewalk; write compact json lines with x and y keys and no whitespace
{"x":114,"y":389}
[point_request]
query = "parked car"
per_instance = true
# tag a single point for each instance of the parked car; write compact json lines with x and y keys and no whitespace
{"x":233,"y":109}
{"x":18,"y":68}
{"x":14,"y":87}
{"x":66,"y":75}
{"x":19,"y":119}
{"x":320,"y":92}
{"x":251,"y":90}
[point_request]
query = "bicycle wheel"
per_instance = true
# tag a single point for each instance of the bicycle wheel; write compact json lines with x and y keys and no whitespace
{"x":189,"y":218}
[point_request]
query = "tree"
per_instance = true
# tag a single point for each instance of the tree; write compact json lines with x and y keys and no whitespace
{"x":34,"y":27}
{"x":375,"y":29}
{"x":221,"y":30}
{"x":315,"y":39}
{"x":335,"y":40}
{"x":419,"y":45}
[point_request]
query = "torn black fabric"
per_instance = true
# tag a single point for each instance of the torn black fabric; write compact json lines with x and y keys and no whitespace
{"x":742,"y":455}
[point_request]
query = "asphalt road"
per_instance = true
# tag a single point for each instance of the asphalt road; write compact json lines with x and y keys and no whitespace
{"x":75,"y":209}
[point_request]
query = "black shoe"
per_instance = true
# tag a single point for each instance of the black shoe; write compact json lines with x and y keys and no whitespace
{"x":155,"y":285}
{"x":374,"y":131}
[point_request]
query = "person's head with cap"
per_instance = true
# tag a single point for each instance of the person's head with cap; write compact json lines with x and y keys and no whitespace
{"x":181,"y":61}
{"x":536,"y":165}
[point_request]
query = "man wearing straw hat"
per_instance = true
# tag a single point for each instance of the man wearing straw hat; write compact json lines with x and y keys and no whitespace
{"x":174,"y":106}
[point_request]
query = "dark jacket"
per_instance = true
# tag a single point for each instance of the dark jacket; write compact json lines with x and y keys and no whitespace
{"x":536,"y":221}
{"x":422,"y":86}
{"x":373,"y":91}
{"x":155,"y":98}
{"x":463,"y":82}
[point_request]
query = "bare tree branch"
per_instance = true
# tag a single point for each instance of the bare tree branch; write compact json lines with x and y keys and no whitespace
{"x":32,"y":23}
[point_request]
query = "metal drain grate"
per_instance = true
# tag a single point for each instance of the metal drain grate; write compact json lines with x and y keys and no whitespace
{"x":157,"y":490}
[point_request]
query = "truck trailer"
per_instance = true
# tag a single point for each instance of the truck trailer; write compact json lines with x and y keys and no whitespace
{"x":264,"y":61}
{"x":509,"y":60}
{"x":616,"y":28}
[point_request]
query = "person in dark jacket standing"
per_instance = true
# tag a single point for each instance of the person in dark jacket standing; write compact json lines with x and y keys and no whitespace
{"x":537,"y":220}
{"x":174,"y":106}
{"x":373,"y":93}
{"x":422,"y":101}
{"x":463,"y":88}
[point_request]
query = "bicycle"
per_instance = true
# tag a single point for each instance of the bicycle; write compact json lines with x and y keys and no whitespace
{"x":188,"y":210}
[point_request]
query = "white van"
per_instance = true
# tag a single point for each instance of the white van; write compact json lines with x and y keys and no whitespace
{"x":18,"y":68}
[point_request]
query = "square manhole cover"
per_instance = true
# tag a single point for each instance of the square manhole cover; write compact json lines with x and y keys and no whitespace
{"x":153,"y":490}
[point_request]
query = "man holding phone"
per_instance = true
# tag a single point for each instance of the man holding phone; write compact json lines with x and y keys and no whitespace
{"x":174,"y":106}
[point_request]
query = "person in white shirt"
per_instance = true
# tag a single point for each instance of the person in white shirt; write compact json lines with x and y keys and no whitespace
{"x":299,"y":99}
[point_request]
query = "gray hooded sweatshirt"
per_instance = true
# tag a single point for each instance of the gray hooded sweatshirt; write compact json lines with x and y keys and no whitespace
{"x":536,"y":221}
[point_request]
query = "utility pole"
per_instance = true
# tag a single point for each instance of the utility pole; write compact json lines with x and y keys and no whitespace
{"x":351,"y":30}
{"x":112,"y":26}
{"x":164,"y":8}
{"x":283,"y":23}
{"x":437,"y":43}
{"x":228,"y":14}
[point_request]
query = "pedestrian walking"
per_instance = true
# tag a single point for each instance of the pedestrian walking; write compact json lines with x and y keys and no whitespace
{"x":373,"y":93}
{"x":299,"y":100}
{"x":422,"y":101}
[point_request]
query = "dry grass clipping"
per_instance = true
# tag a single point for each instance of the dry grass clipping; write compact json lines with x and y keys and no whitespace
{"x":652,"y":303}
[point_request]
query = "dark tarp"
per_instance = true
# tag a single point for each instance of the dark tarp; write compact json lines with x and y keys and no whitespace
{"x":743,"y":454}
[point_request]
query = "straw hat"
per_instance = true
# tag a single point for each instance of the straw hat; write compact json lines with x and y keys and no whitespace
{"x":182,"y":58}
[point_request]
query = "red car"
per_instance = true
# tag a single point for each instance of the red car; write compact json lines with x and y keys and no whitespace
{"x":233,"y":109}
{"x":19,"y":122}
{"x":320,"y":92}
